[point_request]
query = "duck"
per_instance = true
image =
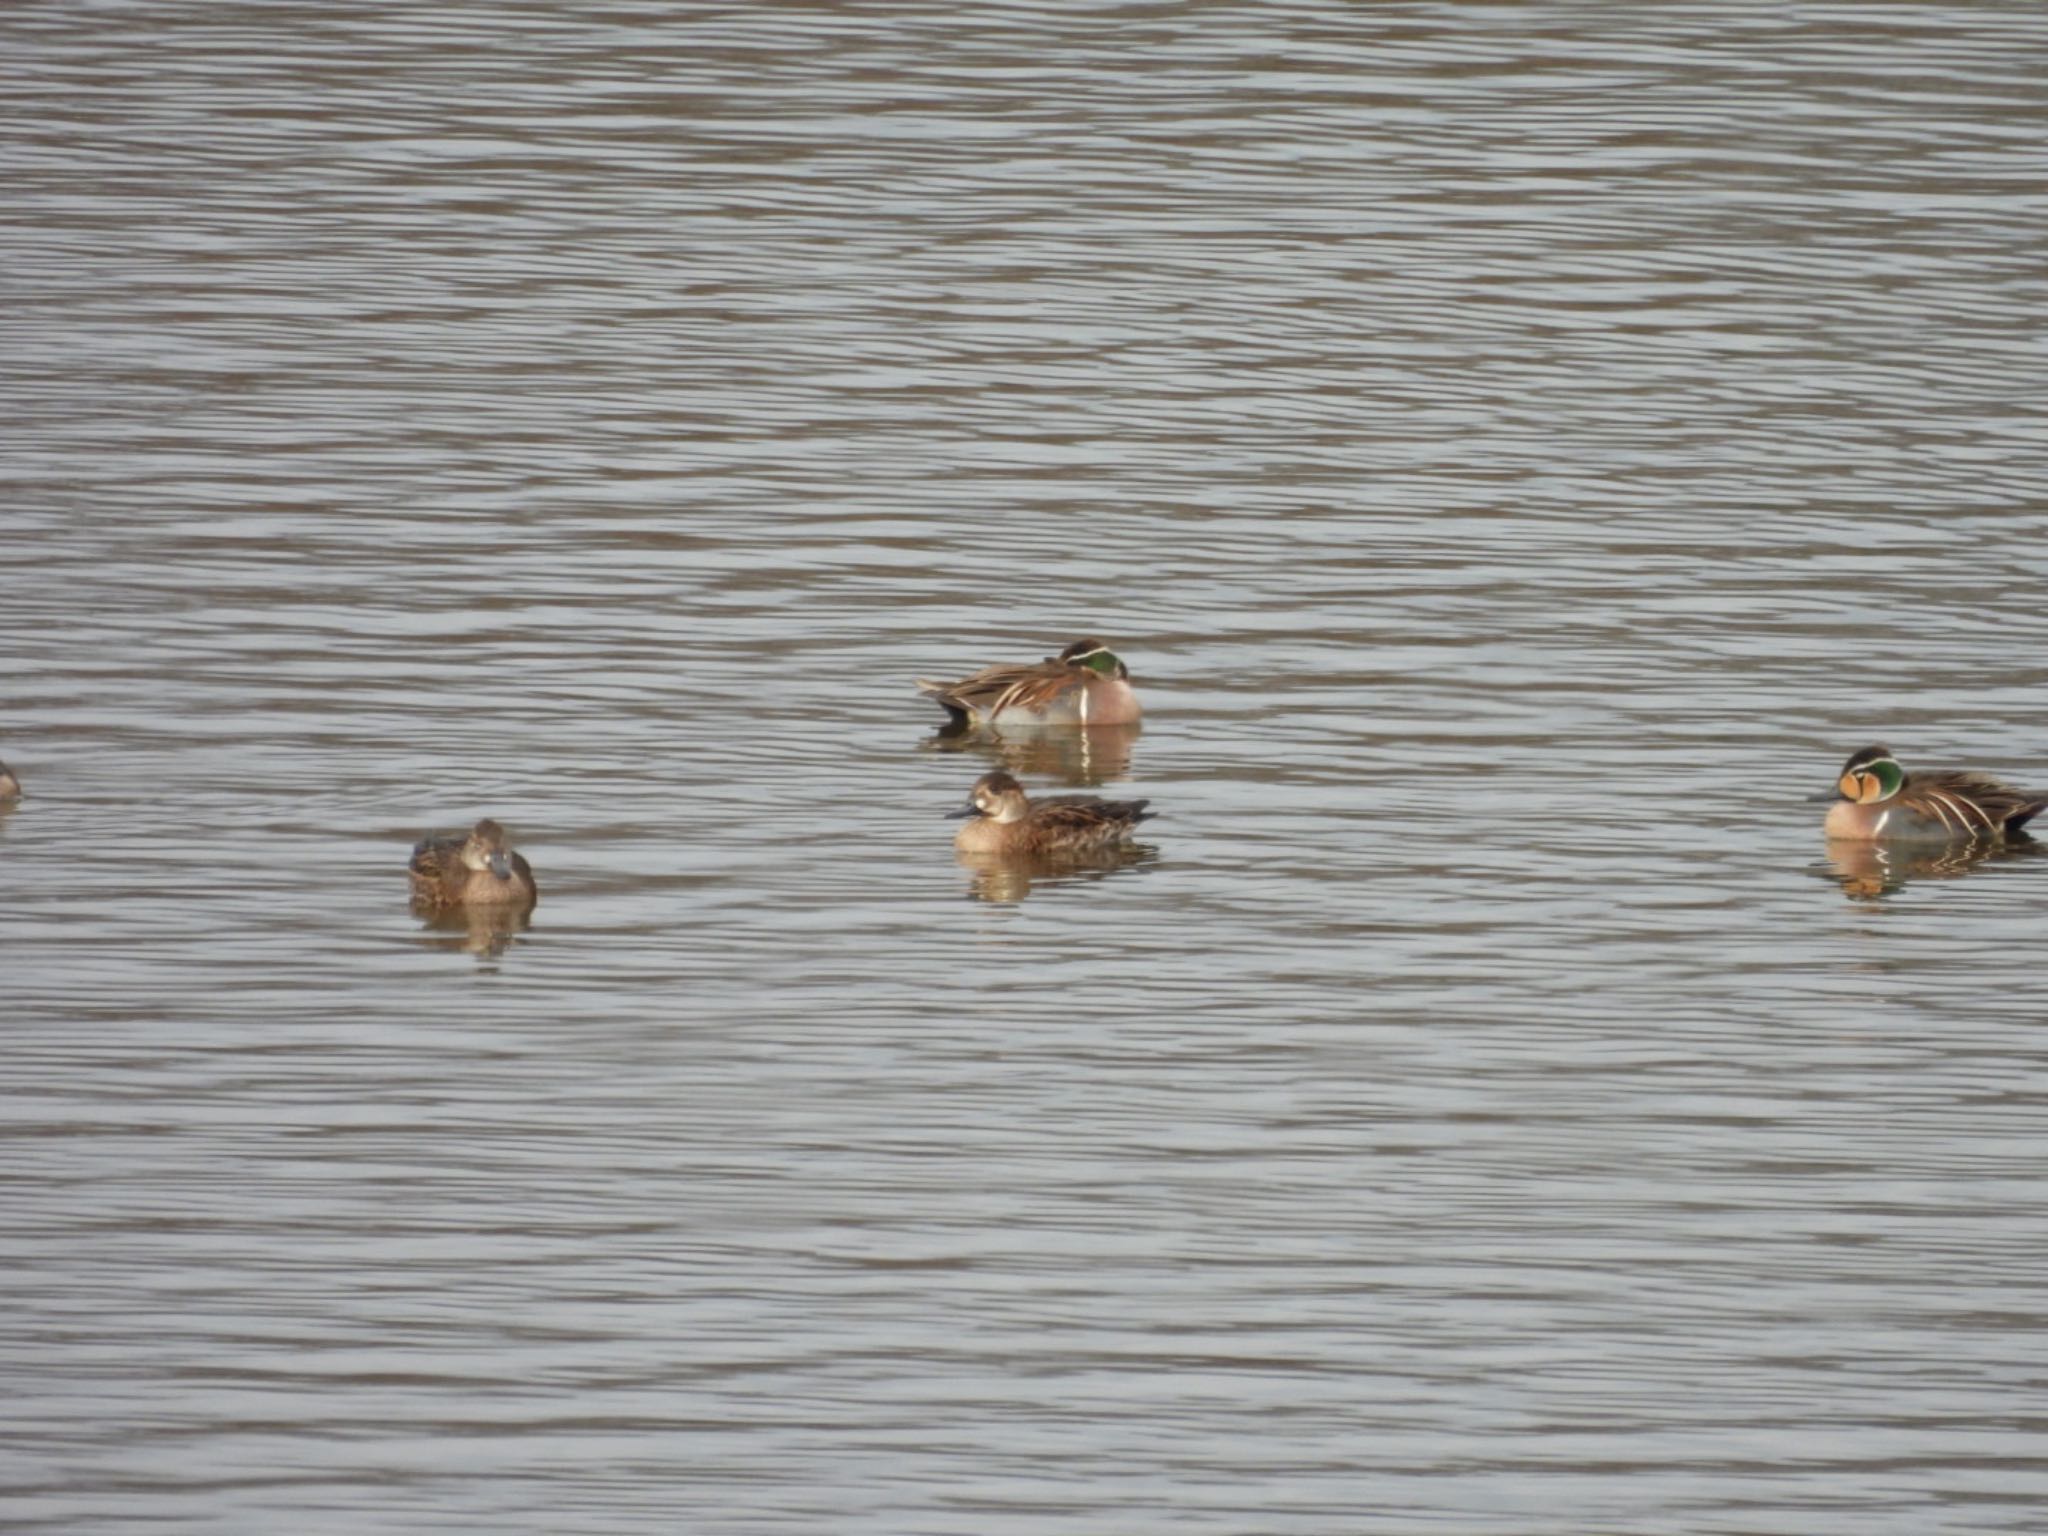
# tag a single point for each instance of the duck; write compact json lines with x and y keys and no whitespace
{"x":477,"y":868}
{"x":1086,"y":684}
{"x":10,"y":786}
{"x":1876,"y":800}
{"x":1004,"y":820}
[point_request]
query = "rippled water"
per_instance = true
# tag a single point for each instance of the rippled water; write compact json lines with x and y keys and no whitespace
{"x":1520,"y":452}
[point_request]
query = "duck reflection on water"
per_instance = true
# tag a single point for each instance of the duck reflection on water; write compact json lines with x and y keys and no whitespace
{"x":1005,"y":879}
{"x":1872,"y":871}
{"x":1080,"y":756}
{"x":485,"y":932}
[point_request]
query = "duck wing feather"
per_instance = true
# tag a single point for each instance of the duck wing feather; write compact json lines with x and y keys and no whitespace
{"x":1015,"y":685}
{"x":1087,"y":813}
{"x":1968,"y":802}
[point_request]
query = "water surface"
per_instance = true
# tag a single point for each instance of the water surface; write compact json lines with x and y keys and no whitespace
{"x":1520,"y":452}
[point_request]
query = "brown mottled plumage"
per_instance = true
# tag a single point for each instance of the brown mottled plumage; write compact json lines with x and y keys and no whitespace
{"x":1876,"y":800}
{"x":476,"y":868}
{"x":1006,"y":821}
{"x":1084,"y":685}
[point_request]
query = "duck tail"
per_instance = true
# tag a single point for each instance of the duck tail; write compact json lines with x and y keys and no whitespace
{"x":942,"y":695}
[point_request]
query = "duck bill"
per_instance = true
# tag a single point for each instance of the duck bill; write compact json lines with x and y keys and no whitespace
{"x":1826,"y":794}
{"x":501,"y":866}
{"x":964,"y":812}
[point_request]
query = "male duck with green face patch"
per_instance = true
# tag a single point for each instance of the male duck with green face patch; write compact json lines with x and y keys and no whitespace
{"x":1084,"y":685}
{"x":1878,"y":801}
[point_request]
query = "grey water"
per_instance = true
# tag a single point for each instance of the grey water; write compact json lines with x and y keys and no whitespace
{"x":1520,"y":453}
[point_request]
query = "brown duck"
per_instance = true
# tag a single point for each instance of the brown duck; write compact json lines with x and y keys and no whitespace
{"x":477,"y":868}
{"x":1004,"y":820}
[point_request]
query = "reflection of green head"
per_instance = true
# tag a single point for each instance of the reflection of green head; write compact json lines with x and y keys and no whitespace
{"x":1870,"y":776}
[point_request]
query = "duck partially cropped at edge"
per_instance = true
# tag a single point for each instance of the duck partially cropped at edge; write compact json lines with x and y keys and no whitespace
{"x":1007,"y":821}
{"x":477,"y":868}
{"x":10,"y":786}
{"x":1876,"y":800}
{"x":1086,"y":684}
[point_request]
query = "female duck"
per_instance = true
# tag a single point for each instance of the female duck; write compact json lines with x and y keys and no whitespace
{"x":1878,"y":801}
{"x":10,"y":786}
{"x":473,"y":869}
{"x":1006,"y":821}
{"x":1084,"y":685}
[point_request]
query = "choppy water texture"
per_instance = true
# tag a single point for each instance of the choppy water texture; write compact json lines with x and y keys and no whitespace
{"x":1521,"y":451}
